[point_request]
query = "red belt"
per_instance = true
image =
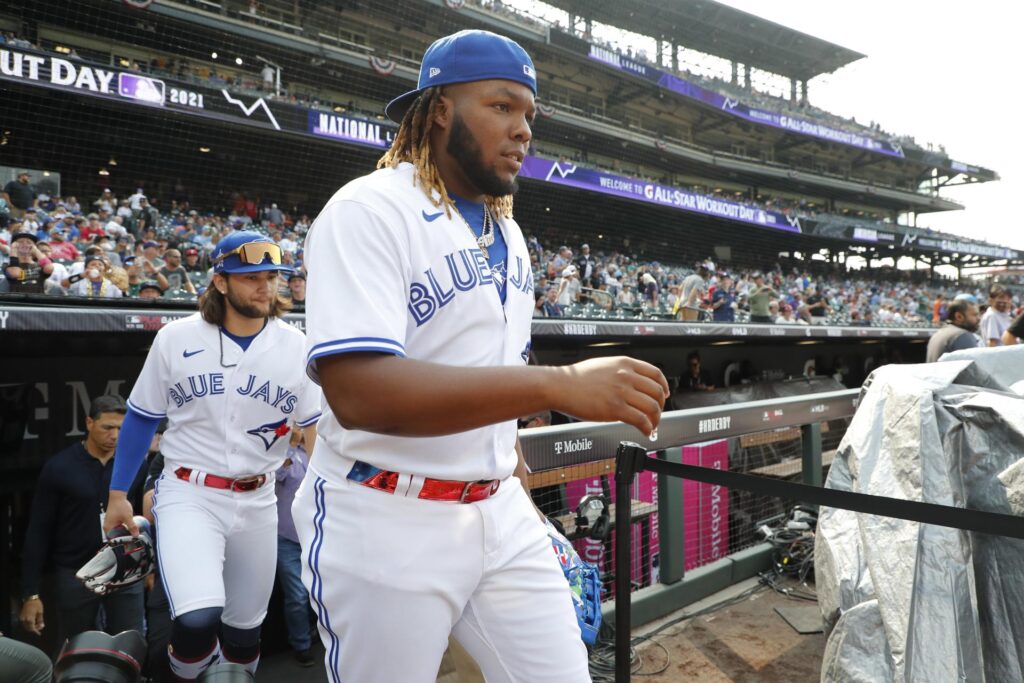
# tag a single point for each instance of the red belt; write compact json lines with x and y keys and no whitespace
{"x":437,"y":489}
{"x":213,"y":481}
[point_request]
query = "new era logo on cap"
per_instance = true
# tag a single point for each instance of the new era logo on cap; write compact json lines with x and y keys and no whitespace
{"x":465,"y":57}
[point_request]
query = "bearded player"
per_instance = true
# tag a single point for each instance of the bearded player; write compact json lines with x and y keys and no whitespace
{"x":229,"y":379}
{"x":419,"y":304}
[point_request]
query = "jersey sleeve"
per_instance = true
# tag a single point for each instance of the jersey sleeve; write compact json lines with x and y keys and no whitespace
{"x":357,"y":296}
{"x":308,"y":411}
{"x":149,"y":395}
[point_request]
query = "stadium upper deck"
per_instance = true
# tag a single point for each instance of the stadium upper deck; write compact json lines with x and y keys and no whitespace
{"x":337,"y":63}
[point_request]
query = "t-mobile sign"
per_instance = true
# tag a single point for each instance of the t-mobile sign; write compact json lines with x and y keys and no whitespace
{"x":705,"y":507}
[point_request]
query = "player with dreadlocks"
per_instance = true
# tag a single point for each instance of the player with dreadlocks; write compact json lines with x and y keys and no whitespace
{"x":419,"y":302}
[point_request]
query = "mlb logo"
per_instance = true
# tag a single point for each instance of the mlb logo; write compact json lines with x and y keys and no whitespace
{"x":434,"y":71}
{"x":528,"y":70}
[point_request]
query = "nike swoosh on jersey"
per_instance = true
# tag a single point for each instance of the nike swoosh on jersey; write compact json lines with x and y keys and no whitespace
{"x":430,"y":218}
{"x":189,"y":354}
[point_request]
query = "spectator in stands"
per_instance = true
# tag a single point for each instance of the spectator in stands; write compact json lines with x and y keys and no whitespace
{"x":107,"y":201}
{"x":587,"y":265}
{"x":939,"y":309}
{"x":62,"y":248}
{"x":193,"y":264}
{"x":723,"y":301}
{"x":695,"y":379}
{"x":114,"y":227}
{"x":693,"y":291}
{"x":65,"y":530}
{"x":148,"y":219}
{"x":1015,"y":332}
{"x":135,"y":202}
{"x":817,"y":306}
{"x":563,"y":259}
{"x":30,"y":221}
{"x":174,"y":274}
{"x":289,"y":554}
{"x":786,"y":316}
{"x":20,"y":194}
{"x":997,"y":318}
{"x":297,"y":289}
{"x":275,"y":215}
{"x":55,"y":283}
{"x":28,"y":268}
{"x":95,"y":283}
{"x":627,"y":297}
{"x":957,"y":333}
{"x":569,"y":286}
{"x":150,"y":289}
{"x":760,"y":297}
{"x":650,"y":293}
{"x":551,"y":307}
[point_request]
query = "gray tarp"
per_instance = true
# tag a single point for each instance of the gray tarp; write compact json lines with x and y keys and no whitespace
{"x":905,"y":601}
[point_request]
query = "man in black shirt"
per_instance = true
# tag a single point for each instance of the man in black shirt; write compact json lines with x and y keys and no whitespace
{"x":66,"y":529}
{"x":20,"y":194}
{"x":695,"y":379}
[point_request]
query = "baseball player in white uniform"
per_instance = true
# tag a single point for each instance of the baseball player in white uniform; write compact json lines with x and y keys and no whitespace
{"x":230,"y":380}
{"x":419,"y":305}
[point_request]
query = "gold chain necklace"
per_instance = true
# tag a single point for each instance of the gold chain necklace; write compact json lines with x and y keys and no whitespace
{"x":486,"y":237}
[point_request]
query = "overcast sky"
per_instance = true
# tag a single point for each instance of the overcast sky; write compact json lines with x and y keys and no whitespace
{"x":945,"y":72}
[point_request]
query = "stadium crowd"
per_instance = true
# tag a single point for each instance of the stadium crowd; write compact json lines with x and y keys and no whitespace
{"x":110,"y":248}
{"x":113,"y":248}
{"x":787,"y":292}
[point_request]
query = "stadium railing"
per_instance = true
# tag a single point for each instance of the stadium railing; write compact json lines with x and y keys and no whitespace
{"x":565,"y":453}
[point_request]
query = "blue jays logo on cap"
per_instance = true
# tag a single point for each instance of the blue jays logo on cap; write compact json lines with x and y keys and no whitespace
{"x":464,"y":57}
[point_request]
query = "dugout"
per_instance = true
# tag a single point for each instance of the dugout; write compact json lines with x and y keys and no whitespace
{"x":58,"y":356}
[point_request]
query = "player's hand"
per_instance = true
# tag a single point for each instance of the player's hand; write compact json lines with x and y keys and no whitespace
{"x":609,"y":389}
{"x":31,"y":616}
{"x":119,"y":513}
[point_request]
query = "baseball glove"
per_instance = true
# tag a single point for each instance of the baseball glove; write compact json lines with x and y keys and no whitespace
{"x":584,"y":583}
{"x":121,"y":561}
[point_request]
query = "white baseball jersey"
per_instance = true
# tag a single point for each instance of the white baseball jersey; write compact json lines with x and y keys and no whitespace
{"x":228,"y":411}
{"x":390,"y":272}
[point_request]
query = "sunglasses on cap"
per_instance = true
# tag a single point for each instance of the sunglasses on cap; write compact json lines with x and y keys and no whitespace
{"x":255,"y":253}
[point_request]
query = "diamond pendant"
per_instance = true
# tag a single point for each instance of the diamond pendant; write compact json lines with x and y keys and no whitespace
{"x":482,"y":243}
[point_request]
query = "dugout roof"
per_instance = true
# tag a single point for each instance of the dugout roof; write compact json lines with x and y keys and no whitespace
{"x":716,"y":29}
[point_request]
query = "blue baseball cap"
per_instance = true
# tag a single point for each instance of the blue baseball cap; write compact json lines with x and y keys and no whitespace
{"x":464,"y":57}
{"x":234,"y":262}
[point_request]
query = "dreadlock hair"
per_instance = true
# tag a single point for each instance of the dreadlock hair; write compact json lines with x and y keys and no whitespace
{"x":412,"y":144}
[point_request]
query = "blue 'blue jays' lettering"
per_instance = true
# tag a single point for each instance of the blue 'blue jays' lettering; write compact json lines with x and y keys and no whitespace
{"x":282,"y":398}
{"x":522,"y":279}
{"x":467,"y":269}
{"x":210,"y":384}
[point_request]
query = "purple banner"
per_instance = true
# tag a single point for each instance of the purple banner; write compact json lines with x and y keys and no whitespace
{"x":350,"y":129}
{"x":734,"y":107}
{"x":563,"y":173}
